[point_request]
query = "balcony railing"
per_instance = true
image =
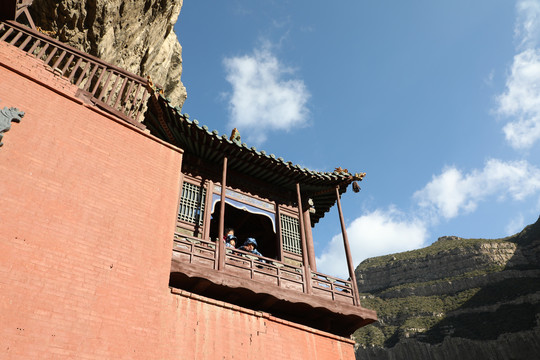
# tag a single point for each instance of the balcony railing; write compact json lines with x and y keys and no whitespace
{"x":109,"y":87}
{"x":245,"y":265}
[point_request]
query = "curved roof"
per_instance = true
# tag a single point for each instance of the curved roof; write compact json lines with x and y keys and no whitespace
{"x":168,"y":123}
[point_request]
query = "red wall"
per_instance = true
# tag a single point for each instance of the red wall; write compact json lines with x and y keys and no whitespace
{"x":87,"y":212}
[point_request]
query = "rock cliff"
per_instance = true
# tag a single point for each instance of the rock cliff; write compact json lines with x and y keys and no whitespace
{"x":136,"y":35}
{"x":456,"y":299}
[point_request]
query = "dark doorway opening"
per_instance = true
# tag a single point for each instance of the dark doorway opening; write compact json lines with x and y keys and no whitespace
{"x":247,"y":224}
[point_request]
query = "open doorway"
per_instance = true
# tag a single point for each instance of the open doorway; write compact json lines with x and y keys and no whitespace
{"x":247,"y":224}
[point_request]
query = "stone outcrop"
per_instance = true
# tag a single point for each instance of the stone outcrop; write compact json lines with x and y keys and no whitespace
{"x":136,"y":35}
{"x":434,"y":265}
{"x":456,"y":299}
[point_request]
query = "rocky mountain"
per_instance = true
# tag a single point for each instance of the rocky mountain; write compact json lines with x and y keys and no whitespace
{"x":456,"y":299}
{"x":136,"y":35}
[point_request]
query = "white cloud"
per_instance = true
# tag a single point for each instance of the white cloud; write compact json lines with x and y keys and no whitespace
{"x":528,"y":23}
{"x":447,"y":195}
{"x":453,"y":192}
{"x":515,"y":225}
{"x":264,"y":97}
{"x":521,"y":99}
{"x":373,"y":234}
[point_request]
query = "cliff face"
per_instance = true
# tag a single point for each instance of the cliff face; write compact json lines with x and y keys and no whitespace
{"x":456,"y":299}
{"x":136,"y":35}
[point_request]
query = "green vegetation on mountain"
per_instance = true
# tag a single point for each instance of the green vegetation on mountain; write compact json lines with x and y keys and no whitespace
{"x":469,"y":289}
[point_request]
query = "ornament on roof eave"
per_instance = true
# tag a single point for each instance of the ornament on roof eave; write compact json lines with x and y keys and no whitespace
{"x":341,"y":171}
{"x":153,"y":88}
{"x":354,"y":178}
{"x":235,"y":135}
{"x":155,"y":92}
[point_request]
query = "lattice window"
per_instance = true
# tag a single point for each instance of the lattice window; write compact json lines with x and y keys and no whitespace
{"x":290,"y":233}
{"x":192,"y":204}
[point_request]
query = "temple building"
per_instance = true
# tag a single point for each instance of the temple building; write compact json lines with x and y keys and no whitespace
{"x":264,"y":197}
{"x":113,"y":217}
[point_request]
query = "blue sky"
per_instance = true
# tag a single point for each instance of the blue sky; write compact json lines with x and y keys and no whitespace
{"x":438,"y":102}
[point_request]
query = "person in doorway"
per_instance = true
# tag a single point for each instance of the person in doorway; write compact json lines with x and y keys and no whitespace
{"x":228,"y":231}
{"x":250,"y":245}
{"x":230,"y":241}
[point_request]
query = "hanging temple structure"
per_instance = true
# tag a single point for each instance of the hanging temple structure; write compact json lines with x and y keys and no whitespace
{"x":114,"y":211}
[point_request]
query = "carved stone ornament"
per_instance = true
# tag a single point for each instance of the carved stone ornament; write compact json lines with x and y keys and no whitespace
{"x":7,"y":115}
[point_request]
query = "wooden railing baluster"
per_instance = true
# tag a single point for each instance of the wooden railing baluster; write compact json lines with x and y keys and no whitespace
{"x":6,"y":34}
{"x":89,"y":79}
{"x":34,"y":47}
{"x":25,"y":42}
{"x":15,"y":39}
{"x":104,"y":87}
{"x":42,"y":52}
{"x":83,"y":72}
{"x":126,"y":98}
{"x":67,"y":64}
{"x":98,"y":81}
{"x":51,"y":55}
{"x":119,"y":97}
{"x":93,"y":77}
{"x":75,"y":68}
{"x":113,"y":89}
{"x":59,"y":60}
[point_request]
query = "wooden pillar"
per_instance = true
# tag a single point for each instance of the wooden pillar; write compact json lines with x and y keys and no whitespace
{"x":221,"y":246}
{"x":279,"y":235}
{"x":207,"y":210}
{"x":309,"y":240}
{"x":307,"y":269}
{"x":347,"y":249}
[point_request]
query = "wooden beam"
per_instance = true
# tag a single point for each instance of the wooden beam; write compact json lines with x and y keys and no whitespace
{"x":279,"y":235}
{"x":221,"y":245}
{"x":207,"y":210}
{"x":224,"y":278}
{"x":309,"y":240}
{"x":347,"y":249}
{"x":26,"y":13}
{"x":305,"y":260}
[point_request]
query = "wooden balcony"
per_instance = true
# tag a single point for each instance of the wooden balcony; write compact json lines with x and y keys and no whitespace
{"x":108,"y":87}
{"x":265,"y":284}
